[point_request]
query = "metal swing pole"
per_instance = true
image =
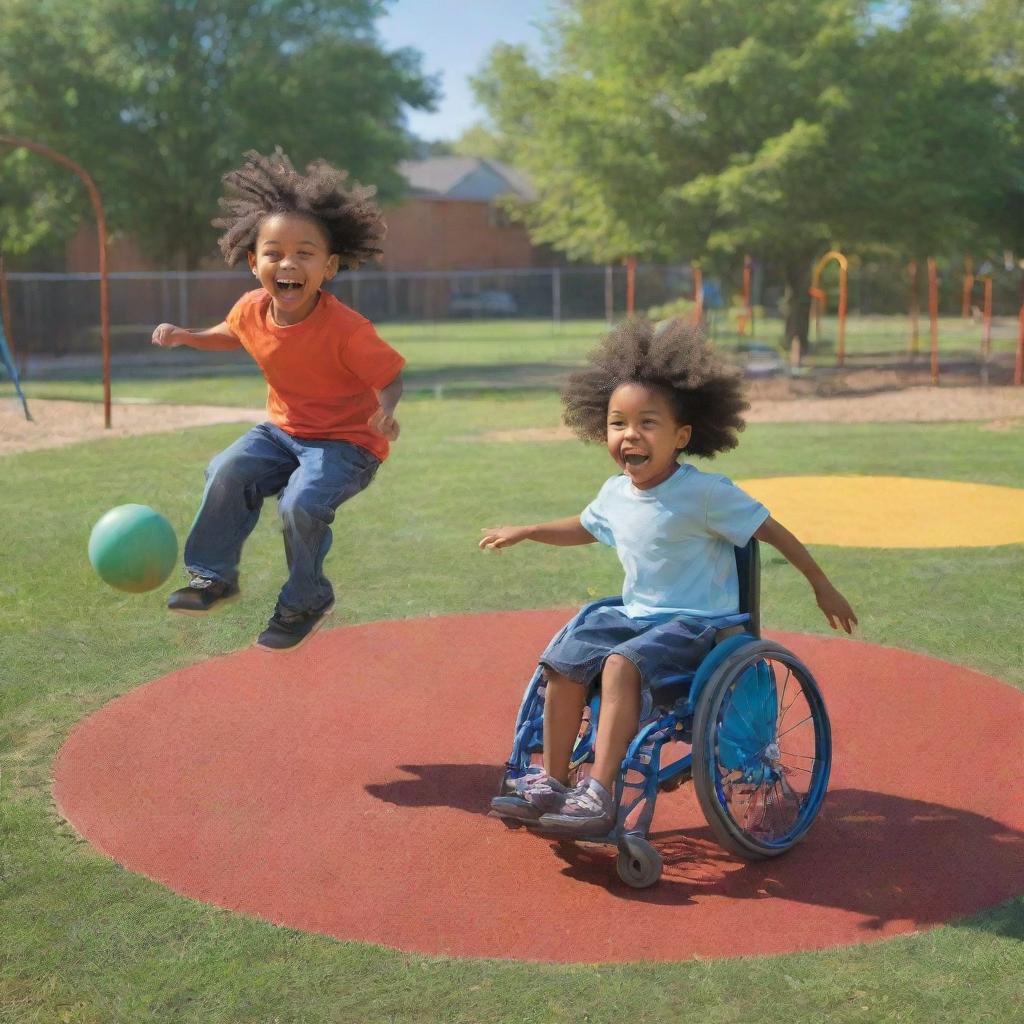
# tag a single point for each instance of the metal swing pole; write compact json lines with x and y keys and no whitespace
{"x":101,"y":228}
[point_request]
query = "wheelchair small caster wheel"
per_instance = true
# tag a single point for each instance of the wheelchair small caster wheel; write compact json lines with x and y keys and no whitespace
{"x":638,"y":863}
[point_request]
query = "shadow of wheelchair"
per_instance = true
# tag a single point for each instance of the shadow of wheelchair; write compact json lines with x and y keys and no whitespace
{"x":886,"y":858}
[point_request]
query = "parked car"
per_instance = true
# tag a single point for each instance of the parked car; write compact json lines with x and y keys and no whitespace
{"x":487,"y":303}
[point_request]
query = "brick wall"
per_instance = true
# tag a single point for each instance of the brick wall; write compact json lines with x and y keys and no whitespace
{"x":452,"y":234}
{"x":423,"y":234}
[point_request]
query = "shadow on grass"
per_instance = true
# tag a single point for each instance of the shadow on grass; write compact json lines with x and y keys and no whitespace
{"x":885,"y":858}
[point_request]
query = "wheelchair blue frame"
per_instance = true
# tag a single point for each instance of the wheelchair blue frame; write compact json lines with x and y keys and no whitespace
{"x":732,"y":701}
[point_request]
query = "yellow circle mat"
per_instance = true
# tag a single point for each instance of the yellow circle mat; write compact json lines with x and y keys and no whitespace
{"x":892,"y":511}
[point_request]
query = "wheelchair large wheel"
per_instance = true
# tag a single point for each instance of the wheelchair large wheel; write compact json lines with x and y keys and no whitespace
{"x":762,"y":750}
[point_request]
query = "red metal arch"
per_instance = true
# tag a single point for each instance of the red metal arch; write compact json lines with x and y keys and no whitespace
{"x":101,"y":227}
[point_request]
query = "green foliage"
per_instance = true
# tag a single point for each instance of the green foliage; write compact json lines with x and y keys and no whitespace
{"x":677,"y":128}
{"x":670,"y":310}
{"x":478,"y":140}
{"x":158,"y":98}
{"x":997,"y":30}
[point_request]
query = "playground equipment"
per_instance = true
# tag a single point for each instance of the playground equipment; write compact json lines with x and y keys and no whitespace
{"x":965,"y":301}
{"x":630,"y":285}
{"x":913,"y":345}
{"x":761,"y":745}
{"x":745,"y":321}
{"x":101,"y":228}
{"x":933,"y":314}
{"x":819,"y":300}
{"x":986,"y":326}
{"x":7,"y":359}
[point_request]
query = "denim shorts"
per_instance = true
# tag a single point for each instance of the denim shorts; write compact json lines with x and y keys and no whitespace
{"x":663,"y":652}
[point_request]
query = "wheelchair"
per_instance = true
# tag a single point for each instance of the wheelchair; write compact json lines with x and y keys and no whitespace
{"x":758,"y":732}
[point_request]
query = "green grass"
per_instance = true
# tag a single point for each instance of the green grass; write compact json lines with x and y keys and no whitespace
{"x":473,"y":356}
{"x":85,"y":942}
{"x":464,"y":356}
{"x":887,"y":333}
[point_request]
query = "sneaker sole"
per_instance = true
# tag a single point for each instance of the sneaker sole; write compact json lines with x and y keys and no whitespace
{"x":574,"y":828}
{"x":197,"y":613}
{"x":305,"y":639}
{"x":514,"y":808}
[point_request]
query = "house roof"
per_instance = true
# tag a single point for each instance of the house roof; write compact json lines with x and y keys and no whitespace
{"x":465,"y":177}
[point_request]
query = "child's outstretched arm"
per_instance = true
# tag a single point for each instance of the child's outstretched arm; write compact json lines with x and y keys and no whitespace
{"x":213,"y":339}
{"x":836,"y":608}
{"x":563,"y":532}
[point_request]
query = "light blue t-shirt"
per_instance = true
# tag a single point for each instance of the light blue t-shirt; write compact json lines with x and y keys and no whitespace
{"x":675,"y":541}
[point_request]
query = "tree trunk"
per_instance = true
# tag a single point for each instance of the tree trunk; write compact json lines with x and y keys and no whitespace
{"x":798,"y":302}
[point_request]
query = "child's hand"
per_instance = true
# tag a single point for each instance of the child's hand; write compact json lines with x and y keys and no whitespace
{"x":836,"y":608}
{"x":498,"y":537}
{"x":385,"y":425}
{"x":164,"y":336}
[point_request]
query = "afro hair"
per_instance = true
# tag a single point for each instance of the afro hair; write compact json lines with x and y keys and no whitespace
{"x":674,"y":358}
{"x":268,"y":185}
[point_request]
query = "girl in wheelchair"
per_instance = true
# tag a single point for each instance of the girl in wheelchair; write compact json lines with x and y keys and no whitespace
{"x":651,"y":396}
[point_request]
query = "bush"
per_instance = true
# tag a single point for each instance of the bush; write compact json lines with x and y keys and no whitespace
{"x":670,"y":310}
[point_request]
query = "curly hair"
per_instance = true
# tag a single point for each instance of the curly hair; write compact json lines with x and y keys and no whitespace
{"x":677,"y":360}
{"x":268,"y":185}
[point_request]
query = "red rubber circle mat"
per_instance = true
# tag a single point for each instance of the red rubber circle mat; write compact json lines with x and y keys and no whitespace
{"x":343,"y":789}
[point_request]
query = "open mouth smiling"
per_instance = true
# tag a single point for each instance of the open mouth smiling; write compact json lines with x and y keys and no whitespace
{"x":634,"y":458}
{"x":288,"y":285}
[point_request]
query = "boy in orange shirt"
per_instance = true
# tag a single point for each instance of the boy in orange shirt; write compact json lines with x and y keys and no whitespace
{"x":332,"y":387}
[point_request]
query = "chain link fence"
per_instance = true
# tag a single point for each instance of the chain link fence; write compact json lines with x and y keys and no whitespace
{"x":55,"y":317}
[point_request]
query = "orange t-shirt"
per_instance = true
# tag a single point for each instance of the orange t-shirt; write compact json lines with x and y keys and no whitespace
{"x":321,"y":373}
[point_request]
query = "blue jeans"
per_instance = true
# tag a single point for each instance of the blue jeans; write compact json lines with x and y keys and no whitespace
{"x":661,"y":650}
{"x":311,"y":478}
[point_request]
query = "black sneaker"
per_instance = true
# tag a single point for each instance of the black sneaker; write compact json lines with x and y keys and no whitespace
{"x":287,"y":630}
{"x":201,"y":595}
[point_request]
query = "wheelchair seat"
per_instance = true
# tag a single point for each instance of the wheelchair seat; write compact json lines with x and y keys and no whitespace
{"x":748,"y":570}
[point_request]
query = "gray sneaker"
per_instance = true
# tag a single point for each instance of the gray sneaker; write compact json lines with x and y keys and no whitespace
{"x":588,"y":810}
{"x":536,"y":793}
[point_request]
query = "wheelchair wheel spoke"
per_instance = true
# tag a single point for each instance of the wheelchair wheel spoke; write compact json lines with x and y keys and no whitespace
{"x":776,"y":817}
{"x":782,"y":697}
{"x":765,"y":798}
{"x":788,"y":708}
{"x":751,"y":806}
{"x":792,"y":727}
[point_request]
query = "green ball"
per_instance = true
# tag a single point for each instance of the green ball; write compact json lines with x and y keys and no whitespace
{"x":133,"y":548}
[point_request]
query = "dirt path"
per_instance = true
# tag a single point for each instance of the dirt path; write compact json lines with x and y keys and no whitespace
{"x":998,"y":408}
{"x":59,"y":423}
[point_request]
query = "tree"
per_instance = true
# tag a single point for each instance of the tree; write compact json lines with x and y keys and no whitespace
{"x":158,"y":98}
{"x":675,"y":128}
{"x":996,"y":27}
{"x":477,"y":140}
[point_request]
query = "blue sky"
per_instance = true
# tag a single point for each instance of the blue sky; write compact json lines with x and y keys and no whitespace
{"x":454,"y":37}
